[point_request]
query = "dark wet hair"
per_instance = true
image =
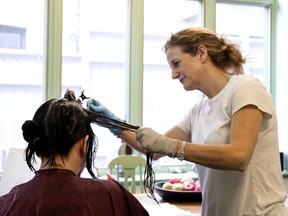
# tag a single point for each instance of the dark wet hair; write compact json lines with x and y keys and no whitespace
{"x":55,"y":128}
{"x":60,"y":122}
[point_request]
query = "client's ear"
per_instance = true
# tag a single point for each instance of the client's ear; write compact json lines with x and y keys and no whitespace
{"x":84,"y":146}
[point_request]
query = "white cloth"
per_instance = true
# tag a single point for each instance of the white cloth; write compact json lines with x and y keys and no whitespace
{"x":16,"y":170}
{"x":259,"y":190}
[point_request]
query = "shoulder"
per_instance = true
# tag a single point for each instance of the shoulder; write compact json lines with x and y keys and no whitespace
{"x":246,"y":80}
{"x":246,"y":90}
{"x":99,"y":183}
{"x":113,"y":188}
{"x":240,"y":85}
{"x":121,"y":197}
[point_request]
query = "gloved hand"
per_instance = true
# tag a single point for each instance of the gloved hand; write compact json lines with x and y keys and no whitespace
{"x":154,"y":142}
{"x":97,"y":107}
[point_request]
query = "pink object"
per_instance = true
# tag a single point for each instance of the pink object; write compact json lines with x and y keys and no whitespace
{"x":175,"y":180}
{"x":198,"y":188}
{"x":110,"y":177}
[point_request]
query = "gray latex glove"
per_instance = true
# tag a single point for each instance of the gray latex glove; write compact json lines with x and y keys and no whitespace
{"x":97,"y":107}
{"x":154,"y":142}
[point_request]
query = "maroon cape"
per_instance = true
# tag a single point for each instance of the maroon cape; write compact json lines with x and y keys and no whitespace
{"x":60,"y":192}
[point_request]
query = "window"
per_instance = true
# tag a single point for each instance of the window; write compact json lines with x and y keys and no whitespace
{"x":248,"y":26}
{"x":279,"y":75}
{"x":94,"y":43}
{"x":12,"y":37}
{"x":21,"y":67}
{"x":165,"y":102}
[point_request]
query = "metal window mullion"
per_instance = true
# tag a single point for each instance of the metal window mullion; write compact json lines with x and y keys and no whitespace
{"x":209,"y":14}
{"x":134,"y":61}
{"x":52,"y":49}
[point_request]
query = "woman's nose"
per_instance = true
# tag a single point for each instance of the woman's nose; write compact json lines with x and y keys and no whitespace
{"x":174,"y":73}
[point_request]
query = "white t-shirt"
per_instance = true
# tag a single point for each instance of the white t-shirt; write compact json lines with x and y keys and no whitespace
{"x":259,"y":190}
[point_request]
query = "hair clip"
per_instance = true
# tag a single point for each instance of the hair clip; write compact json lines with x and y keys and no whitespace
{"x":82,"y":97}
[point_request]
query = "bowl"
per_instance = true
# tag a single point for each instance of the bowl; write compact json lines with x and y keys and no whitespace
{"x":177,"y":196}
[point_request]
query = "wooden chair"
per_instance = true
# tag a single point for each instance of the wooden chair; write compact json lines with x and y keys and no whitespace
{"x":129,"y":163}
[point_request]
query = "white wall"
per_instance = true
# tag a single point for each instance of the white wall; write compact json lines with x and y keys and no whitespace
{"x":282,"y":75}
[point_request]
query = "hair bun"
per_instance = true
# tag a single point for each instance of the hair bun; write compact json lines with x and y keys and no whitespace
{"x":31,"y":130}
{"x":70,"y":95}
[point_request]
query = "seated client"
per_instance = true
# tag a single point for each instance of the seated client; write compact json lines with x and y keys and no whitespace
{"x":60,"y":134}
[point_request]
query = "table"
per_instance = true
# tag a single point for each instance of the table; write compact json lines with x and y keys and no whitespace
{"x":192,"y":207}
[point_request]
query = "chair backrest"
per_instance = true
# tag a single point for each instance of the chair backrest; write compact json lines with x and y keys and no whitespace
{"x":129,"y":163}
{"x":16,"y":170}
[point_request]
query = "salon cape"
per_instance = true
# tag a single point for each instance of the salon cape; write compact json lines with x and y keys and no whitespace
{"x":60,"y":192}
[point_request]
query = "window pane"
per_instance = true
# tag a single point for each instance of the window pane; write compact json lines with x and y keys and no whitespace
{"x":165,"y":101}
{"x":93,"y":60}
{"x":247,"y":26}
{"x":21,"y":67}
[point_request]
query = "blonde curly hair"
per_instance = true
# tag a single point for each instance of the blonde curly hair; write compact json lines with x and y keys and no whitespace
{"x":224,"y":54}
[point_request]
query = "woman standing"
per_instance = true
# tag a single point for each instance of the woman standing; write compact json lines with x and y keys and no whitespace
{"x":231,"y":134}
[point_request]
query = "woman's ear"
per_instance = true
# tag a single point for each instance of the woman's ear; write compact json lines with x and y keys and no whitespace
{"x":202,"y":51}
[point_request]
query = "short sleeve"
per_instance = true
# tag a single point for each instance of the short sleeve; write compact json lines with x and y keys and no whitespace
{"x":186,"y":123}
{"x":251,"y":92}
